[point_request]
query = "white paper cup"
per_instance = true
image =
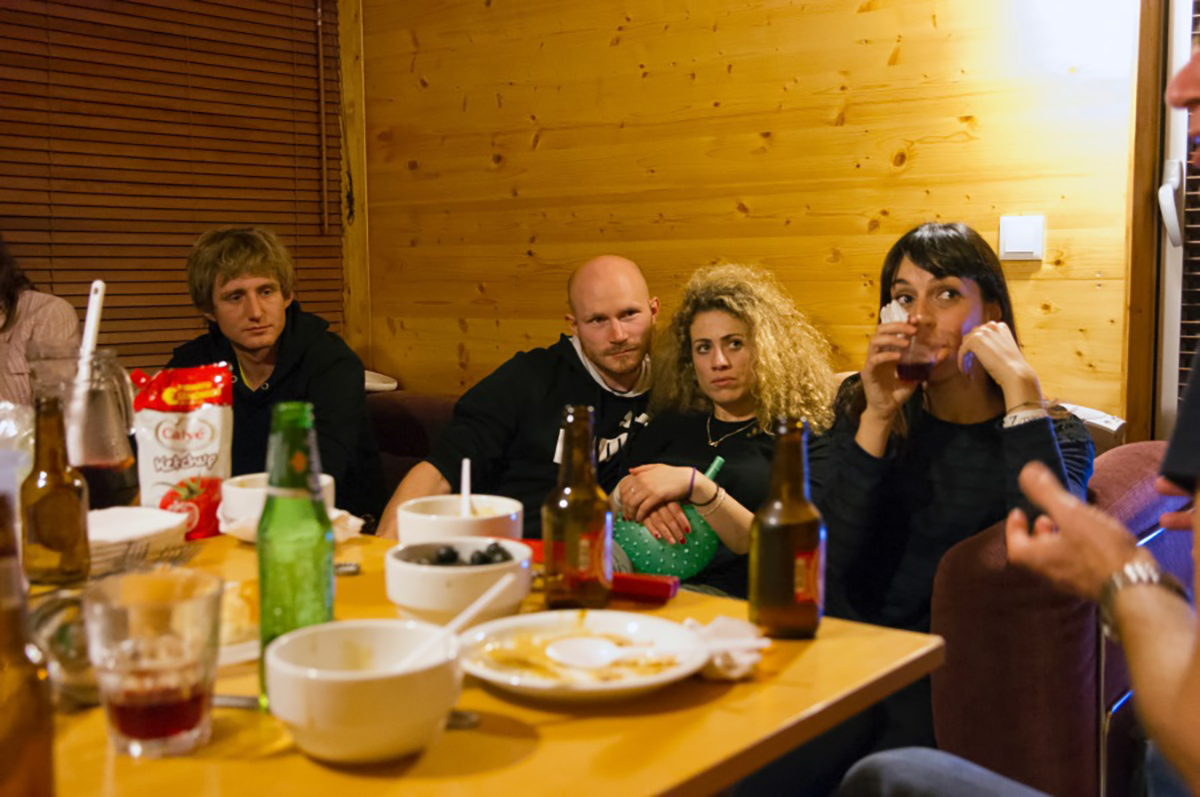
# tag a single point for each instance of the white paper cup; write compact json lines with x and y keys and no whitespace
{"x":439,"y":517}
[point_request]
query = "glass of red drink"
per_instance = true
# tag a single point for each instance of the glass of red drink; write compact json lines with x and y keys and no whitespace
{"x":152,"y":639}
{"x":917,"y":359}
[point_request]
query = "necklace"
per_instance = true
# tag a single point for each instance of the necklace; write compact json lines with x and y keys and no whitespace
{"x":717,"y":442}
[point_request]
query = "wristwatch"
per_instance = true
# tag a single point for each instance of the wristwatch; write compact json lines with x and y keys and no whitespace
{"x":1135,"y":573}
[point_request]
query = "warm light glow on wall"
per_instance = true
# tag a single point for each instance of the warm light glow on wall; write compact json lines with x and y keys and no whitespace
{"x":1094,"y":37}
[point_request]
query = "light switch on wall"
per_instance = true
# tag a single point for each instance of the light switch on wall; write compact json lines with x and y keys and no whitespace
{"x":1022,"y":237}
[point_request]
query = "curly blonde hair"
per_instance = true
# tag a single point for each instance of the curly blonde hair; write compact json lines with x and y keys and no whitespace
{"x":793,"y":375}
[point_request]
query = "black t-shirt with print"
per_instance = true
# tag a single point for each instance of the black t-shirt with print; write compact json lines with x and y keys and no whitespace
{"x":509,"y":424}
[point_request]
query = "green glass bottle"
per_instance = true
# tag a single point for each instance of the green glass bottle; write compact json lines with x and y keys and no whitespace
{"x":295,"y":537}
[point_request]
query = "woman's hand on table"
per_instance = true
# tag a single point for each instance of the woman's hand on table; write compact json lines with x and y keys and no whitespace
{"x":992,"y":344}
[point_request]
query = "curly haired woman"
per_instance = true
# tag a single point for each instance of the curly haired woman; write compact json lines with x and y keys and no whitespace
{"x":736,"y":355}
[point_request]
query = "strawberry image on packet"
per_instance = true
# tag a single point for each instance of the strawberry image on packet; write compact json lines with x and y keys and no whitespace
{"x":184,"y":423}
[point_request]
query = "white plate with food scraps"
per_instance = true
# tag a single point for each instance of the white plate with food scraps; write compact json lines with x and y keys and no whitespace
{"x":510,"y":653}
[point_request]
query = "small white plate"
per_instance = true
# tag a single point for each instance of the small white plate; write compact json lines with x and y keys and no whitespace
{"x":238,"y":653}
{"x":380,"y":383}
{"x":579,"y":685}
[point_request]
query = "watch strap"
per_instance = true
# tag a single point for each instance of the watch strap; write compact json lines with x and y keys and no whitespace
{"x":1138,"y":572}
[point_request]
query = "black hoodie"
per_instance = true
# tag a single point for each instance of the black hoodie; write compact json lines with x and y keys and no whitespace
{"x":509,"y":423}
{"x":315,"y":365}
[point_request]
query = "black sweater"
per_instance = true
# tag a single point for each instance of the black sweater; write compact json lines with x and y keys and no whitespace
{"x":891,"y":519}
{"x":315,"y":365}
{"x":509,"y":424}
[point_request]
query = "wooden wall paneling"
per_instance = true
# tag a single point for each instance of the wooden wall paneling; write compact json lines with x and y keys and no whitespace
{"x":1144,"y":236}
{"x":507,"y":143}
{"x":355,"y":210}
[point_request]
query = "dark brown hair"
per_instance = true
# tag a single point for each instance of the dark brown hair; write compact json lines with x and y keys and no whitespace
{"x":12,"y":282}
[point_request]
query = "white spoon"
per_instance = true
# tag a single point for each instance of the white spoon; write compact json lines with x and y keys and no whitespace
{"x":465,"y":488}
{"x":461,"y":621}
{"x":589,"y":652}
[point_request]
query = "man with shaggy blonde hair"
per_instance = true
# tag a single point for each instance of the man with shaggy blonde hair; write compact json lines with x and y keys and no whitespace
{"x":242,"y":280}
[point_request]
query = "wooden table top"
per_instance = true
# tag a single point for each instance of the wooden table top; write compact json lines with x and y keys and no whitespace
{"x":694,"y":736}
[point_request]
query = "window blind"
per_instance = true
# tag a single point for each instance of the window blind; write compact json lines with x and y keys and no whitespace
{"x":129,"y":127}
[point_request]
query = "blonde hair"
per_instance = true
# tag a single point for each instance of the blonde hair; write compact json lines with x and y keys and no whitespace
{"x":221,"y":255}
{"x":792,"y":372}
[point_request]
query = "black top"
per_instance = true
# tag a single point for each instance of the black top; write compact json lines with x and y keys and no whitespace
{"x":891,"y":519}
{"x":682,"y":439}
{"x":314,"y":365}
{"x":509,"y":425}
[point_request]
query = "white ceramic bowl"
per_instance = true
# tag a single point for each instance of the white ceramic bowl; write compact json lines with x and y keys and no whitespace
{"x":436,"y":593}
{"x":242,"y":497}
{"x":439,"y":517}
{"x":339,"y":690}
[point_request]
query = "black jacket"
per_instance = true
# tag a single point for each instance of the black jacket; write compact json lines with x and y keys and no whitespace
{"x":509,"y":423}
{"x":315,"y":365}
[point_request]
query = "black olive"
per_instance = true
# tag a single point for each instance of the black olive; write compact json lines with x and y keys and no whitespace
{"x":479,"y":558}
{"x":498,"y":553}
{"x":446,"y":555}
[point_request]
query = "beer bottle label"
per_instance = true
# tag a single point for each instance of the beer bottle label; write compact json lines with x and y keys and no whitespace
{"x":584,"y":565}
{"x":807,"y":579}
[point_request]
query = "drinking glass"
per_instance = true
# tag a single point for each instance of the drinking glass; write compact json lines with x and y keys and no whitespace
{"x":917,"y":359}
{"x":153,"y":638}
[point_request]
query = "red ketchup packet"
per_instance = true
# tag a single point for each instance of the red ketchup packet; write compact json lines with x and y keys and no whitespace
{"x":641,"y":587}
{"x":184,"y":423}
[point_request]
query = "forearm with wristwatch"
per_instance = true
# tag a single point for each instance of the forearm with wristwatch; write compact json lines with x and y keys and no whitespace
{"x":1142,"y":571}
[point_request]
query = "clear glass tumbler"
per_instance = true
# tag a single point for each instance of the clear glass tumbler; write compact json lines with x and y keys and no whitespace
{"x":152,"y":639}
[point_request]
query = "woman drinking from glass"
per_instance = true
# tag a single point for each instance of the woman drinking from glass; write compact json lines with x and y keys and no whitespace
{"x":918,"y":466}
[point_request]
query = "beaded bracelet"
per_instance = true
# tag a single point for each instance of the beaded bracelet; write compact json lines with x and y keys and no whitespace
{"x":1038,"y":404}
{"x":719,"y":498}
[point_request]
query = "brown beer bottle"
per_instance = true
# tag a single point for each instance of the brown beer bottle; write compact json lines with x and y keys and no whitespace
{"x":577,"y":523}
{"x":27,"y":721}
{"x":787,"y":544}
{"x":54,"y":505}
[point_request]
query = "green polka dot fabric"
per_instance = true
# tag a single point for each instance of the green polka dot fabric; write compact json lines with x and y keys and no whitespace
{"x":684,"y":559}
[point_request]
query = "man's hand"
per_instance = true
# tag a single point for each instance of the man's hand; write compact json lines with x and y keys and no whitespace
{"x":424,"y":479}
{"x":1074,"y":545}
{"x":1175,"y":521}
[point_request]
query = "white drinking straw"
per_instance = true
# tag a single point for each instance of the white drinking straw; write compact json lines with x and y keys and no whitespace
{"x":83,"y":374}
{"x":464,"y":618}
{"x":465,"y":487}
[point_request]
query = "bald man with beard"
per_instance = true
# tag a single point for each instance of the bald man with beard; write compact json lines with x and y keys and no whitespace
{"x":509,"y":423}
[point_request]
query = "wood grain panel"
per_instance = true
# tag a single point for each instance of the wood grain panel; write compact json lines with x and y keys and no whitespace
{"x":508,"y":142}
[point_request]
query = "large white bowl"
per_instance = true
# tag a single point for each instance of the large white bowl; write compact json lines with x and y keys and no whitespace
{"x":576,"y":685}
{"x":340,"y":691}
{"x":436,"y":593}
{"x":439,"y":517}
{"x":243,"y":497}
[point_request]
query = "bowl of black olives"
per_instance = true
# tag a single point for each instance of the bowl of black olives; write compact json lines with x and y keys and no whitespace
{"x":434,"y":581}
